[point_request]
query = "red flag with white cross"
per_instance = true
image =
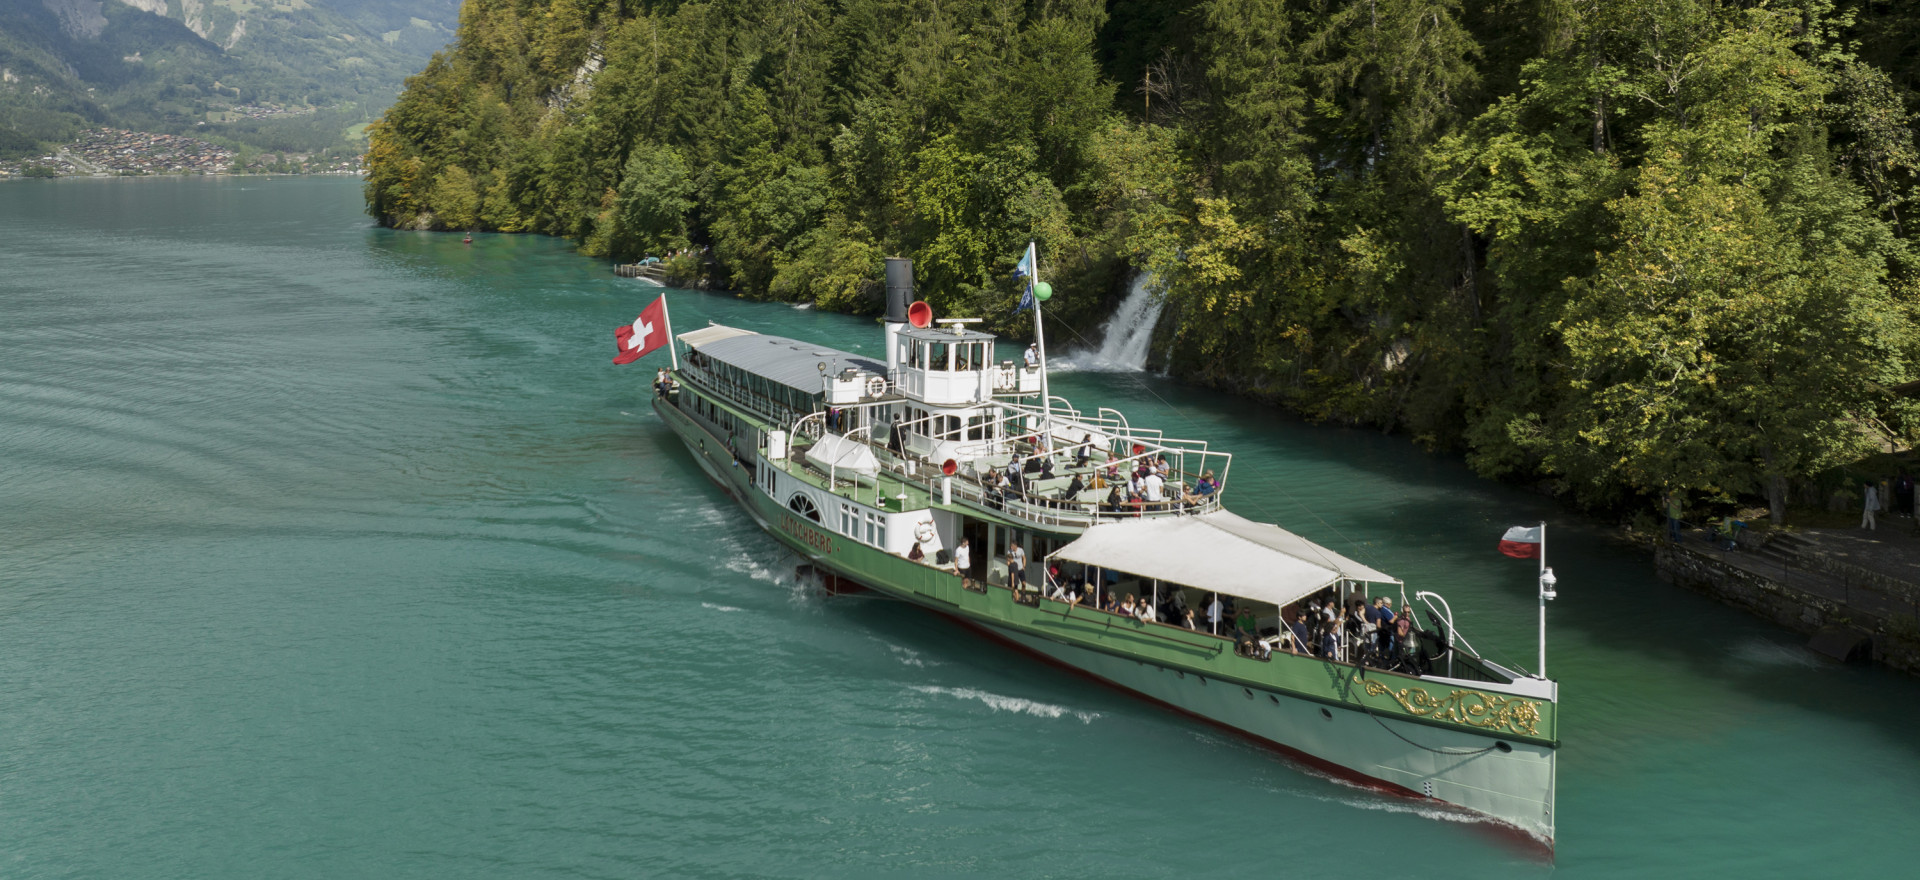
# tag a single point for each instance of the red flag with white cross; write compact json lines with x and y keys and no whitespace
{"x":646,"y":333}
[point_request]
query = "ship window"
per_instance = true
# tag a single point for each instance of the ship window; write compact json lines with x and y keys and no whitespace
{"x":849,"y":522}
{"x":938,"y":359}
{"x":803,"y":505}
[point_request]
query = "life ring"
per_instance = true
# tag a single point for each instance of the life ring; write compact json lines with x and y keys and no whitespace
{"x":876,"y":386}
{"x":923,"y":532}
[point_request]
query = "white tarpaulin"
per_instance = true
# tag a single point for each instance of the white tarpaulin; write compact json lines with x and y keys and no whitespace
{"x":1220,"y":552}
{"x":837,"y":453}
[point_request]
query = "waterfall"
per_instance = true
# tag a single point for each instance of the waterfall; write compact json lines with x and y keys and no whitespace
{"x":1126,"y":337}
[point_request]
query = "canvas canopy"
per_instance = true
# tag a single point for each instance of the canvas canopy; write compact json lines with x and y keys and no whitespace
{"x":1220,"y":552}
{"x":712,"y":333}
{"x":837,"y":453}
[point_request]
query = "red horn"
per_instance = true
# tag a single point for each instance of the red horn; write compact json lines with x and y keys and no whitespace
{"x":949,"y":466}
{"x":920,"y":314}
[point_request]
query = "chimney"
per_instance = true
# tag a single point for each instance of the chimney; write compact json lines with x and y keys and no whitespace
{"x":899,"y":289}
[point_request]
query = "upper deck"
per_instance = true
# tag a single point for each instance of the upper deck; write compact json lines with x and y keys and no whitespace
{"x":945,"y":418}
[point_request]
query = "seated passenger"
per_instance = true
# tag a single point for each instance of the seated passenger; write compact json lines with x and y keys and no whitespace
{"x":1145,"y":611}
{"x":1108,"y":604}
{"x":1126,"y":608}
{"x":1046,"y":468}
{"x":1034,"y":464}
{"x":916,"y":554}
{"x":1073,"y":490}
{"x":1187,"y":621}
{"x":1116,"y":499}
{"x":1244,"y":623}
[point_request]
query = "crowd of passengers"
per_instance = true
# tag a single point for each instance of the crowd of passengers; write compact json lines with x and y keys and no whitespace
{"x":1359,"y":631}
{"x":1147,"y":487}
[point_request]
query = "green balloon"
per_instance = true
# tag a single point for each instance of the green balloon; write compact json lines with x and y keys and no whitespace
{"x":1043,"y":291}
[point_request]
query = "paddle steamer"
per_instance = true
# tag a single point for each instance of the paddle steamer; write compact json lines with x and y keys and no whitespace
{"x":851,"y":462}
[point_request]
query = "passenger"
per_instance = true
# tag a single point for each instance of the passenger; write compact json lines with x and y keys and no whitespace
{"x":1186,"y":620}
{"x":916,"y":554}
{"x":1203,"y":490}
{"x":1073,"y":490}
{"x":1301,"y":643}
{"x":1108,"y":605}
{"x":1329,"y":643}
{"x":1033,"y":357}
{"x":1152,"y":489}
{"x":1214,"y":613}
{"x":1036,"y":464}
{"x":1017,"y":567}
{"x":963,"y":557}
{"x":1385,"y":622}
{"x":1053,"y":576}
{"x":1403,"y":632}
{"x":1086,"y":451}
{"x":1046,"y":468}
{"x":1145,"y":611}
{"x":1246,"y":624}
{"x":1126,"y":608}
{"x":1116,"y":499}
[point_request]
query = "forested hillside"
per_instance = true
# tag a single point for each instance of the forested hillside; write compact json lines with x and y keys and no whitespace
{"x":1631,"y":245}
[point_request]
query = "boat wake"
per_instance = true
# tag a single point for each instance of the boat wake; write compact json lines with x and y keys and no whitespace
{"x":909,"y":657}
{"x":1000,"y":703}
{"x":720,"y":607}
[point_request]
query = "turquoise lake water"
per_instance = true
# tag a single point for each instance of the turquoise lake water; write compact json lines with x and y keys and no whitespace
{"x":334,"y":551}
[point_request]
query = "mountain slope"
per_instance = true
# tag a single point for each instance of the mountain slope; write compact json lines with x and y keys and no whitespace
{"x":277,"y":74}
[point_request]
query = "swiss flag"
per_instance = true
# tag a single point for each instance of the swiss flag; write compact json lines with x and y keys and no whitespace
{"x":646,"y":333}
{"x":1521,"y":542}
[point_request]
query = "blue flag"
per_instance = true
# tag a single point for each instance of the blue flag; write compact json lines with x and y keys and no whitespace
{"x":1026,"y":302}
{"x":1024,"y":268}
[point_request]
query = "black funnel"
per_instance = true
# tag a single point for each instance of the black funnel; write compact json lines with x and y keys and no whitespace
{"x":899,"y":289}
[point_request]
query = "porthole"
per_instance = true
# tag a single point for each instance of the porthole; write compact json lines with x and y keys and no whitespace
{"x":1503,"y":747}
{"x":1247,"y":692}
{"x":1276,"y":700}
{"x":1325,"y":714}
{"x":1179,"y":673}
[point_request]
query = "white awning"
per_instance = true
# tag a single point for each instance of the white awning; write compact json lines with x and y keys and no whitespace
{"x":837,"y":453}
{"x":1219,"y":552}
{"x":713,"y":333}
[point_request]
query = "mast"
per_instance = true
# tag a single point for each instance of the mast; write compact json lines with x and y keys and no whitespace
{"x":1040,"y":343}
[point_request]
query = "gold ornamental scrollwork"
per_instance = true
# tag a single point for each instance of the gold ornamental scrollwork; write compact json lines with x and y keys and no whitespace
{"x":1472,"y":708}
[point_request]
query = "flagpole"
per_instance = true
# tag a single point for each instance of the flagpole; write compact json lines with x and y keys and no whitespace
{"x":1040,"y":343}
{"x":1543,"y":600}
{"x":672,"y":350}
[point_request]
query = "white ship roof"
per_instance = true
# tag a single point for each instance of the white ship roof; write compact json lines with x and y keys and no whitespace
{"x":789,"y":362}
{"x":1220,"y":551}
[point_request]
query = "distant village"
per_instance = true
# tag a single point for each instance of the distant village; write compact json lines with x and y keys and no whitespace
{"x":113,"y":152}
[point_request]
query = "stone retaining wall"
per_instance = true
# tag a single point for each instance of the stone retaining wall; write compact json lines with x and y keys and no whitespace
{"x":1896,"y":638}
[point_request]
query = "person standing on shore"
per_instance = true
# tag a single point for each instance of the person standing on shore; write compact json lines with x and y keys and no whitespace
{"x":1673,"y":515}
{"x":1871,"y":504}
